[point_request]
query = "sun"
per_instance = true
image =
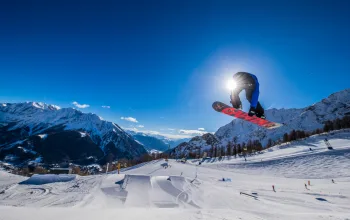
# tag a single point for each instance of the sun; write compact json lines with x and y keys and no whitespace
{"x":231,"y":84}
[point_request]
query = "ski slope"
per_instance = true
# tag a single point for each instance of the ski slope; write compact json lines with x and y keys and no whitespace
{"x":295,"y":159}
{"x":189,"y":191}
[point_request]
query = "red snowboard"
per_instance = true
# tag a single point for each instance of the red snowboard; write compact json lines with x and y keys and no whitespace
{"x":228,"y":110}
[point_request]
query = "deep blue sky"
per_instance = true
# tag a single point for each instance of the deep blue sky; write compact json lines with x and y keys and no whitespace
{"x":165,"y":62}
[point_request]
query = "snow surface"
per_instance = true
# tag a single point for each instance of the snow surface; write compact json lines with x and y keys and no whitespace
{"x":43,"y":136}
{"x":188,"y":191}
{"x":82,"y":134}
{"x":25,"y":150}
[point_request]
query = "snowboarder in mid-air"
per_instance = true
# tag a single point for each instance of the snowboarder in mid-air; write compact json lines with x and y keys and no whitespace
{"x":249,"y":83}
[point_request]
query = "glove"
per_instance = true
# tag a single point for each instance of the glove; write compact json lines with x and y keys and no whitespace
{"x":251,"y":111}
{"x":236,"y":105}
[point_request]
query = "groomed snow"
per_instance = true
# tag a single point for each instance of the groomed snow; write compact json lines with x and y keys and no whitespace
{"x":188,"y":191}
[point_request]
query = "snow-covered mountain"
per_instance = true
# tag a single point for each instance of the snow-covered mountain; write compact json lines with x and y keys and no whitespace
{"x":150,"y":143}
{"x":310,"y":118}
{"x":27,"y":123}
{"x":156,"y":142}
{"x":196,"y":144}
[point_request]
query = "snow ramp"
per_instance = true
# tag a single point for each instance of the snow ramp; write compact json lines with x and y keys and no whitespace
{"x":158,"y":191}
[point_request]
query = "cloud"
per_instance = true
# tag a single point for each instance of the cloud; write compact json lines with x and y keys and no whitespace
{"x":106,"y":106}
{"x":131,"y":129}
{"x":76,"y":104}
{"x":141,"y":126}
{"x":191,"y":132}
{"x":131,"y":119}
{"x":157,"y":134}
{"x":201,"y":129}
{"x":169,"y":136}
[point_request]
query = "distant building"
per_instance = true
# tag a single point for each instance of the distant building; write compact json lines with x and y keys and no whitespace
{"x":60,"y":170}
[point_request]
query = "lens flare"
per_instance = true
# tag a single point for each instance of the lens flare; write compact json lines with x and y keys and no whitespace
{"x":231,"y":85}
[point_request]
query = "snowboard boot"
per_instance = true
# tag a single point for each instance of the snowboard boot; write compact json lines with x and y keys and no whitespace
{"x":261,"y":116}
{"x":260,"y":113}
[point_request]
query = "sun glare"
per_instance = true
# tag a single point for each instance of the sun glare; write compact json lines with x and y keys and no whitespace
{"x":231,"y":85}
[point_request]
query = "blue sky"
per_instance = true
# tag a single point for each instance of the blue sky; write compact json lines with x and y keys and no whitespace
{"x":165,"y":62}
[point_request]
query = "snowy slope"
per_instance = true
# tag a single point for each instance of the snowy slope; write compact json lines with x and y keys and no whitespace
{"x":22,"y":120}
{"x":309,"y":158}
{"x":187,"y":191}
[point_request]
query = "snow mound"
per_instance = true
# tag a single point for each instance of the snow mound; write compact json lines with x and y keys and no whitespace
{"x":156,"y":191}
{"x":39,"y":179}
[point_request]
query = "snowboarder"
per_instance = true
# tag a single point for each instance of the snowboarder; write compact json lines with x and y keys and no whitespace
{"x":249,"y":83}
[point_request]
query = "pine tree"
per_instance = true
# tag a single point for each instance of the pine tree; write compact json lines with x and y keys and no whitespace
{"x":269,"y":143}
{"x":199,"y":152}
{"x":285,"y":138}
{"x":319,"y":131}
{"x":258,"y":146}
{"x":337,"y":124}
{"x":235,"y":150}
{"x":346,"y":122}
{"x":229,"y":149}
{"x":292,"y":136}
{"x":249,"y":146}
{"x":244,"y":147}
{"x":212,"y":151}
{"x":223,"y":153}
{"x":239,"y":149}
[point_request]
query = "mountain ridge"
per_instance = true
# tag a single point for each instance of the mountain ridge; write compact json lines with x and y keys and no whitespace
{"x":20,"y":121}
{"x":309,"y":118}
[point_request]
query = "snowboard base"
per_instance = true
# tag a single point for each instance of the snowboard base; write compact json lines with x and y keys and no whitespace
{"x":228,"y":110}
